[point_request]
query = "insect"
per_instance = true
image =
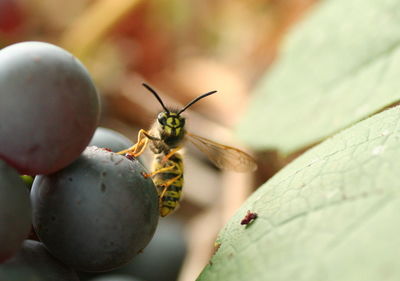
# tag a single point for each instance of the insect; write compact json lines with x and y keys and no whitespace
{"x":249,"y":218}
{"x":168,"y":178}
{"x":166,"y":137}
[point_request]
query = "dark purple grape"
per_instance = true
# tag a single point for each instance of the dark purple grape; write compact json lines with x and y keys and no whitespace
{"x":115,"y":277}
{"x":97,"y":213}
{"x":15,"y":211}
{"x":110,"y":139}
{"x":169,"y":239}
{"x":33,"y":262}
{"x":49,"y":107}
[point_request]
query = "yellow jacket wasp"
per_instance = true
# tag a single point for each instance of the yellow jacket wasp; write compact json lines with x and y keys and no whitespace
{"x":166,"y":137}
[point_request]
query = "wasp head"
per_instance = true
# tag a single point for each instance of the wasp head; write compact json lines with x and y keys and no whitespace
{"x":171,"y":123}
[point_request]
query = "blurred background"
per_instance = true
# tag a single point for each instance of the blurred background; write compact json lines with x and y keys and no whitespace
{"x":182,"y":49}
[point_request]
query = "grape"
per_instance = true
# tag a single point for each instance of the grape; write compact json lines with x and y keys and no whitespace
{"x":15,"y":211}
{"x":97,"y":213}
{"x":169,"y":240}
{"x":33,"y":262}
{"x":110,"y":139}
{"x":115,"y":277}
{"x":49,"y":107}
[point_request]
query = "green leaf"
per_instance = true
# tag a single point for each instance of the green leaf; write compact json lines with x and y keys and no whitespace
{"x":337,"y":67}
{"x":332,"y":214}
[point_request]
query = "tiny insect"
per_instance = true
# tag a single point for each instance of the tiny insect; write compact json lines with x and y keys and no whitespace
{"x":165,"y":138}
{"x":249,"y":218}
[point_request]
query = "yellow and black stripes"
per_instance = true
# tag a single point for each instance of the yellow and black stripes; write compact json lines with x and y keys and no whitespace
{"x":171,"y":125}
{"x":165,"y":139}
{"x":168,"y":178}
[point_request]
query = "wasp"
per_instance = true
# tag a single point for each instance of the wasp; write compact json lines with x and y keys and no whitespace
{"x":166,"y":138}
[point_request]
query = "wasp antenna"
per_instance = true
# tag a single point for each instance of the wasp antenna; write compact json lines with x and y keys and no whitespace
{"x":196,"y":100}
{"x":156,"y":95}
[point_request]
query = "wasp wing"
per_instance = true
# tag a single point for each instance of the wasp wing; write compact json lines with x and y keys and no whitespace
{"x":223,"y":156}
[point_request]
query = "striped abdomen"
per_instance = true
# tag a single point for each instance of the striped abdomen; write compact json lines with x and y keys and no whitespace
{"x":168,"y":178}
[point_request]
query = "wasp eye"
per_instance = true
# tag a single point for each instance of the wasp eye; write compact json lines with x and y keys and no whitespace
{"x":161,"y":118}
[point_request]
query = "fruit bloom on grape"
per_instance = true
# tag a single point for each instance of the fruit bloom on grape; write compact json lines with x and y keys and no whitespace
{"x":97,"y":213}
{"x":49,"y":107}
{"x":107,"y":138}
{"x":15,"y":211}
{"x":33,"y":262}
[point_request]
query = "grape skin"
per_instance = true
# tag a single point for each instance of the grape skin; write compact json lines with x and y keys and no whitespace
{"x":97,"y":213}
{"x":15,"y":211}
{"x":49,"y":107}
{"x":33,"y":262}
{"x":110,"y":139}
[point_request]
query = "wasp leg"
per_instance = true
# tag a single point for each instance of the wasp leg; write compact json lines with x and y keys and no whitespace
{"x":150,"y":137}
{"x":161,"y":170}
{"x":172,"y":152}
{"x":138,"y":148}
{"x":166,"y":185}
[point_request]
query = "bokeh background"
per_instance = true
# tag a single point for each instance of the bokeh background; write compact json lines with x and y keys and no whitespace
{"x":182,"y":49}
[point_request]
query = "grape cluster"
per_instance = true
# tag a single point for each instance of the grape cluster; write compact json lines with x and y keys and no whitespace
{"x":91,"y":209}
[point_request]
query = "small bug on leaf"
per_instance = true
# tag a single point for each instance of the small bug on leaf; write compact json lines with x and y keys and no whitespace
{"x":249,"y":218}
